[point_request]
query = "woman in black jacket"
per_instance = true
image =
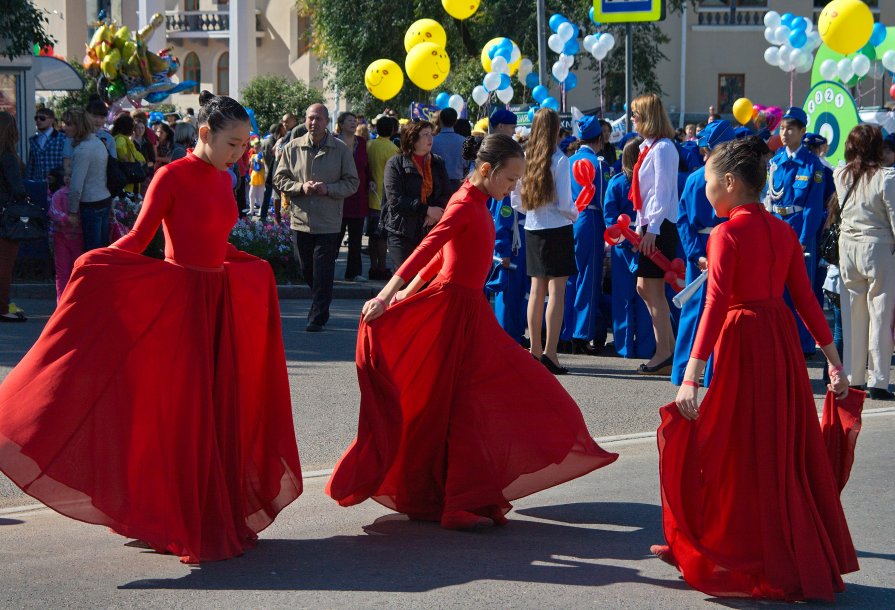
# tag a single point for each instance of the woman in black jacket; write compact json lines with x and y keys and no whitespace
{"x":416,"y":191}
{"x":12,"y":188}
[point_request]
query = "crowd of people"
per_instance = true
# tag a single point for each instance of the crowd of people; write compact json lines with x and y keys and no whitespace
{"x":444,"y":435}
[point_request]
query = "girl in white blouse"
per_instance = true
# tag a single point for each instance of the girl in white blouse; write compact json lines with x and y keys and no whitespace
{"x":655,"y":196}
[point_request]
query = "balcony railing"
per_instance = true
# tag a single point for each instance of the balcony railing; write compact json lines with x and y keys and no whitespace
{"x":202,"y":23}
{"x":731,"y":16}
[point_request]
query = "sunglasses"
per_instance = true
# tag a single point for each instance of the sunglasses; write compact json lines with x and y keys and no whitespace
{"x":40,"y":117}
{"x":635,"y":115}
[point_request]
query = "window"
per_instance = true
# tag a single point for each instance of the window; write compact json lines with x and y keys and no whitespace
{"x":304,"y":35}
{"x":731,"y":87}
{"x":223,"y":74}
{"x":191,"y":5}
{"x":192,"y":70}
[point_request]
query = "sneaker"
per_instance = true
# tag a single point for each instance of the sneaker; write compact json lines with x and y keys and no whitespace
{"x":356,"y":278}
{"x":313,"y":328}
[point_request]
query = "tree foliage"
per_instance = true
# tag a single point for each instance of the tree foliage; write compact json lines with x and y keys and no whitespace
{"x":23,"y":26}
{"x":273,"y":96}
{"x":74,"y":99}
{"x":347,"y":45}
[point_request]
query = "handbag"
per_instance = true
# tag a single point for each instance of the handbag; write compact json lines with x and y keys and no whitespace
{"x":828,"y":246}
{"x":22,"y":221}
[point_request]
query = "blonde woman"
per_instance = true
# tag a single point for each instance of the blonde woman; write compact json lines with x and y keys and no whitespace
{"x":654,"y":194}
{"x":544,"y":195}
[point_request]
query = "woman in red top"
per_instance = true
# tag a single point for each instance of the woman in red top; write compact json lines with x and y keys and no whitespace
{"x":750,"y":504}
{"x":457,"y":420}
{"x":156,"y":401}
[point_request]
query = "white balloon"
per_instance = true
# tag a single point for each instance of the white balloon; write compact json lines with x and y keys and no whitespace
{"x":772,"y":56}
{"x":785,"y":50}
{"x":565,"y":31}
{"x":829,"y":69}
{"x":479,"y":95}
{"x":845,"y":70}
{"x":786,"y":66}
{"x":560,"y":71}
{"x":797,"y":55}
{"x":505,"y":95}
{"x":770,"y":35}
{"x":525,"y":68}
{"x":491,"y":81}
{"x":809,"y":27}
{"x":861,"y":65}
{"x":804,"y":67}
{"x":781,"y":33}
{"x":813,"y":41}
{"x":500,"y":65}
{"x":589,"y":42}
{"x":608,"y":40}
{"x":877,"y":71}
{"x":889,"y":60}
{"x":598,"y":52}
{"x":771,"y":19}
{"x":567,"y":60}
{"x":807,"y":61}
{"x":515,"y":54}
{"x":555,"y":43}
{"x":457,"y":103}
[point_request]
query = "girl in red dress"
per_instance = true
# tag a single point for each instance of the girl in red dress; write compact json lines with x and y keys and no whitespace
{"x":457,"y":420}
{"x":750,"y":504}
{"x":156,"y":400}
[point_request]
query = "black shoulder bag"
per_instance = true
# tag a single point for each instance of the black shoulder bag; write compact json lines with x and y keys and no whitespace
{"x":828,"y":246}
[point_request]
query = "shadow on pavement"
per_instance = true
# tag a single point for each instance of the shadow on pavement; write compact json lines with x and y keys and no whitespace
{"x":854,"y":596}
{"x":10,"y":521}
{"x":397,"y":555}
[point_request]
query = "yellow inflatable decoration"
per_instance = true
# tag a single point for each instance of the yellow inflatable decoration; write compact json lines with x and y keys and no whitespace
{"x":460,"y":9}
{"x":742,"y":110}
{"x":486,"y":61}
{"x":845,"y":25}
{"x":427,"y":65}
{"x":424,"y":30}
{"x":384,"y":79}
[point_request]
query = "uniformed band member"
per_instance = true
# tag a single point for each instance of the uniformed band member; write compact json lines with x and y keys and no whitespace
{"x":817,"y":144}
{"x":509,"y":282}
{"x":795,"y":192}
{"x":695,"y":221}
{"x":584,"y":329}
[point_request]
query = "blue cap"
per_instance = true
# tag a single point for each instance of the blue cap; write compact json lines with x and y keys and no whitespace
{"x":502,"y":116}
{"x":625,"y":138}
{"x":797,"y":114}
{"x":590,"y":127}
{"x":742,"y":132}
{"x":715,"y":133}
{"x":565,"y":143}
{"x":889,"y":141}
{"x":813,"y":139}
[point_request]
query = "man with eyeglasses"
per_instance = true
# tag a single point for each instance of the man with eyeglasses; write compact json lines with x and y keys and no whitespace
{"x":44,"y":147}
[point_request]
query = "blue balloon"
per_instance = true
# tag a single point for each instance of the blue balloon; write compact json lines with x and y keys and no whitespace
{"x":540,"y":93}
{"x":590,"y":13}
{"x":577,"y":30}
{"x":786,"y":19}
{"x":799,"y":23}
{"x":504,"y":82}
{"x":878,"y":36}
{"x":443,"y":100}
{"x":551,"y":102}
{"x":555,"y":21}
{"x":505,"y":53}
{"x":571,"y":47}
{"x":571,"y":82}
{"x":532,"y":81}
{"x":506,"y":43}
{"x":531,"y":113}
{"x":798,"y":38}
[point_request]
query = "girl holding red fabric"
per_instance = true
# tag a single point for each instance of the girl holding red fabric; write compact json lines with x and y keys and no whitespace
{"x":750,"y":504}
{"x":456,"y":419}
{"x":156,"y":401}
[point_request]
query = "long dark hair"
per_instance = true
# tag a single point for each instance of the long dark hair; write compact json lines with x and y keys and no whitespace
{"x":494,"y":149}
{"x":218,"y":111}
{"x":863,"y":152}
{"x":745,"y":159}
{"x":9,"y":134}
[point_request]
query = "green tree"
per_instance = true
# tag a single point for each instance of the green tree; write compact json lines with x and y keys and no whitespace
{"x":347,"y":45}
{"x":23,"y":26}
{"x":273,"y":96}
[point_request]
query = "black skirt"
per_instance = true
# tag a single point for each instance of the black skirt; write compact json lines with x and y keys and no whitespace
{"x":550,"y":252}
{"x":666,"y":242}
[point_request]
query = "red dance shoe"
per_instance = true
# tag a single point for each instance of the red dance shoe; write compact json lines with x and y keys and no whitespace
{"x":663,"y":552}
{"x":463,"y":520}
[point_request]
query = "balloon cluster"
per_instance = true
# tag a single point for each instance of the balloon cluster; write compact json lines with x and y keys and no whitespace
{"x":862,"y":61}
{"x":501,"y":58}
{"x":446,"y":100}
{"x":599,"y":45}
{"x":126,"y":68}
{"x":744,"y":111}
{"x":797,"y":40}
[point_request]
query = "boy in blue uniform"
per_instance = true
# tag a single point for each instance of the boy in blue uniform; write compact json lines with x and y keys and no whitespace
{"x":632,"y":326}
{"x":509,"y":281}
{"x":584,"y":328}
{"x":795,"y":192}
{"x":695,"y":221}
{"x":817,"y":144}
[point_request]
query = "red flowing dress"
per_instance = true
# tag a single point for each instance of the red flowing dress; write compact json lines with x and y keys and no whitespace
{"x":750,"y":503}
{"x":454,"y":415}
{"x":156,"y":400}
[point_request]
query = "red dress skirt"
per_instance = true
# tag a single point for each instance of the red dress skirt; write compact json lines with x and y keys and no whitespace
{"x":156,"y":402}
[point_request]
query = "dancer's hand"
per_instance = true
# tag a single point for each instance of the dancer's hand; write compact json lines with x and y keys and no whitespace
{"x":703,"y":263}
{"x":505,"y":262}
{"x":838,"y":385}
{"x":373,"y":308}
{"x":687,"y":402}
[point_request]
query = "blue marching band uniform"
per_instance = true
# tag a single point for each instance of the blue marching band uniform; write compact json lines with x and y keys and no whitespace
{"x":795,"y":192}
{"x":582,"y":321}
{"x":510,"y":286}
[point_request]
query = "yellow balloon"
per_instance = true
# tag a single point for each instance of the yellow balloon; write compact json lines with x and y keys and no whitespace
{"x":427,"y":65}
{"x":424,"y":30}
{"x":384,"y":79}
{"x":460,"y":9}
{"x":486,"y":61}
{"x":845,"y":25}
{"x":742,"y":110}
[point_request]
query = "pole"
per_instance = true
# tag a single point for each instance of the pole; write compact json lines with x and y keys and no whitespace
{"x":680,"y":122}
{"x":629,"y":68}
{"x":542,"y":43}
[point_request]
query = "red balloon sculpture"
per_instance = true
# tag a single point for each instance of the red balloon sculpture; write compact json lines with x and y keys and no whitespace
{"x":584,"y":173}
{"x":675,"y":271}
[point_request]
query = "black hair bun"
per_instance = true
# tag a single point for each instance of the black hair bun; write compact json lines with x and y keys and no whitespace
{"x":205,"y":97}
{"x":471,"y":146}
{"x":758,"y":146}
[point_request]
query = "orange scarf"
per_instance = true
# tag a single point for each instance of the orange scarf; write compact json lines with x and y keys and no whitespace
{"x":425,"y":170}
{"x":634,"y":195}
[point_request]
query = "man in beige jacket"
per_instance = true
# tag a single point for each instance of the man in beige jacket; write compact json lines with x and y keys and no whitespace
{"x":316,"y":173}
